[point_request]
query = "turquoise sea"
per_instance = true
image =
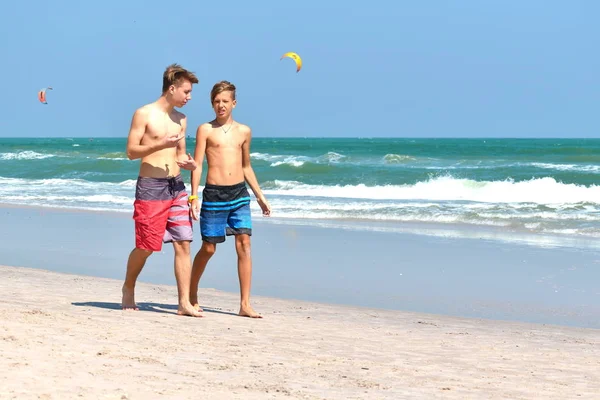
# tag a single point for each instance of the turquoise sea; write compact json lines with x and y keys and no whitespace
{"x":533,"y":186}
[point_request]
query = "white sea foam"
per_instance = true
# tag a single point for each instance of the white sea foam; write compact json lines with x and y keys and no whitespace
{"x":447,"y":188}
{"x":537,"y":205}
{"x":397,"y":158}
{"x":568,"y":167}
{"x":297,"y":160}
{"x":25,"y":155}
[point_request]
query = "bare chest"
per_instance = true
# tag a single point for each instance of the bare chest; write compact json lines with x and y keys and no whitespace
{"x":158,"y":128}
{"x":220,"y":141}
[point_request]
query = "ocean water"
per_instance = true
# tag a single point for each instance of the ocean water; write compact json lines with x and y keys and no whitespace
{"x":532,"y":186}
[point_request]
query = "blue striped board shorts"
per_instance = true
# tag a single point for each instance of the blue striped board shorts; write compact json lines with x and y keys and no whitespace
{"x":225,"y":211}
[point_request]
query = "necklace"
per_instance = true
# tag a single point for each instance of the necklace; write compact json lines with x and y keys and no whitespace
{"x":225,"y":131}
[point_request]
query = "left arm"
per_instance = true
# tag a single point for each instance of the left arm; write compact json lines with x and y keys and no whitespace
{"x":249,"y":175}
{"x":184,"y":160}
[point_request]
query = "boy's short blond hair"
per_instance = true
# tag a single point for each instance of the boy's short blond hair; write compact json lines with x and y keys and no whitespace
{"x":219,"y":87}
{"x":175,"y":74}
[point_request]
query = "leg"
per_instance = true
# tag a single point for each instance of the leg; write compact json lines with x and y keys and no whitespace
{"x":179,"y":232}
{"x":200,"y":261}
{"x":212,"y":230}
{"x":135,"y":263}
{"x":147,"y":214}
{"x":243,"y":249}
{"x":182,"y":275}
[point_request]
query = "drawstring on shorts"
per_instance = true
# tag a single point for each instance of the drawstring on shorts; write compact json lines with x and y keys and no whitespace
{"x":172,"y":185}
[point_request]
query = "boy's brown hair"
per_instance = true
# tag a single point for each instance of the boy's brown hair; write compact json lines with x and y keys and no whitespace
{"x":175,"y":74}
{"x":219,"y":87}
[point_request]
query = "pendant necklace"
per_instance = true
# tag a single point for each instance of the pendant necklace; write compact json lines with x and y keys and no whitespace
{"x":225,"y":131}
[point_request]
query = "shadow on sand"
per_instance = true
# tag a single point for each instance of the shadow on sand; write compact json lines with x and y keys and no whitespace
{"x":153,"y":307}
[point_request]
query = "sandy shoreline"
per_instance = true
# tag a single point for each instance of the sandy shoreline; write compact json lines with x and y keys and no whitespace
{"x":63,"y":336}
{"x":396,"y":271}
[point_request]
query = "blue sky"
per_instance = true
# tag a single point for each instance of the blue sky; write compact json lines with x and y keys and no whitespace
{"x":422,"y":68}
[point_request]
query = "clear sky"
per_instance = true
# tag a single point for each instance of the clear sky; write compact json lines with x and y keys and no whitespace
{"x":421,"y":68}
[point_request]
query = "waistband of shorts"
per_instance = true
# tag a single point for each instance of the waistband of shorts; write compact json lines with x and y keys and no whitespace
{"x":168,"y":178}
{"x":225,"y":187}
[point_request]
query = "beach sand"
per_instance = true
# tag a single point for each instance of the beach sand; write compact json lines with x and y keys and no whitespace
{"x":63,"y":336}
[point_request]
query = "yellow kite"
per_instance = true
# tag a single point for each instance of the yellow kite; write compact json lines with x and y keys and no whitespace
{"x":294,"y":57}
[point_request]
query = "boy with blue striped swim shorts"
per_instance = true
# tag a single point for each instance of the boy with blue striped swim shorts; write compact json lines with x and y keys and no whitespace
{"x":225,"y":211}
{"x":225,"y":207}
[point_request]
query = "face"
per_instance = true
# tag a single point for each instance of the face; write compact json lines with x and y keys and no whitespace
{"x":180,"y":95}
{"x":223,"y":104}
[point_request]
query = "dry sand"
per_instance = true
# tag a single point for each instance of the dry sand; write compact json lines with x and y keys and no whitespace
{"x":64,"y":336}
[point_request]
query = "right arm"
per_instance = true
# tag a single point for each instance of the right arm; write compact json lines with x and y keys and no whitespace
{"x":199,"y":151}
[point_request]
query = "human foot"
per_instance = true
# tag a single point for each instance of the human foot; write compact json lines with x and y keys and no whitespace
{"x":248,"y":311}
{"x":195,"y":304}
{"x":188,"y":310}
{"x":128,"y":300}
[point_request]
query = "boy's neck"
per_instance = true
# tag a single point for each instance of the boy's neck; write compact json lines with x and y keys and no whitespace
{"x":163,"y":104}
{"x":225,"y":120}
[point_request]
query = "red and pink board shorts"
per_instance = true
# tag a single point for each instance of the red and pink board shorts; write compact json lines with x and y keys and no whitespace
{"x":161,"y":212}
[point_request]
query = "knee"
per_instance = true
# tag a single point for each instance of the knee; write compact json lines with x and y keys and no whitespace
{"x":182,"y":247}
{"x":208,"y":248}
{"x":243,"y":244}
{"x":143,"y":253}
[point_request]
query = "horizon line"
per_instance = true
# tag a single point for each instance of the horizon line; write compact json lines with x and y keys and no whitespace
{"x":327,"y":137}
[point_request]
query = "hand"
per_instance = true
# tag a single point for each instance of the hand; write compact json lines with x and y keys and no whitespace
{"x":194,"y":209}
{"x":264,"y":206}
{"x":189,"y":164}
{"x":172,"y":141}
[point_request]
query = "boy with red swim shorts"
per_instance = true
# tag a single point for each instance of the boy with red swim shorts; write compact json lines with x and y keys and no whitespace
{"x":161,"y":212}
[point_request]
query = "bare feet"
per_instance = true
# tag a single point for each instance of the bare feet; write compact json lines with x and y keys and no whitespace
{"x":188,"y":310}
{"x":194,"y":301}
{"x":128,"y":301}
{"x":248,"y":311}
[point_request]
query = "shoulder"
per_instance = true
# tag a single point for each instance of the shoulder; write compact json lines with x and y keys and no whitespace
{"x":204,"y":129}
{"x":143,"y":111}
{"x":141,"y":116}
{"x":244,"y":129}
{"x":207,"y":126}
